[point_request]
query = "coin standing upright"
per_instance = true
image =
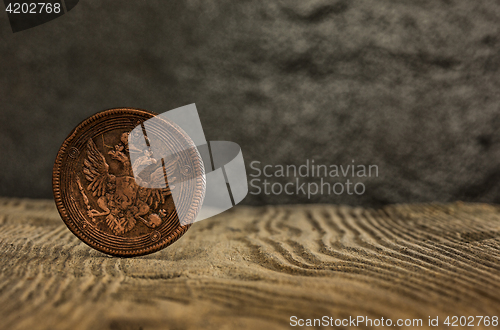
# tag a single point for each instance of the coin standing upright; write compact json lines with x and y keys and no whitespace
{"x":126,"y":208}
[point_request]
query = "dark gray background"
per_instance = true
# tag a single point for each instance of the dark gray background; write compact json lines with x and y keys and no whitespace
{"x":412,"y":86}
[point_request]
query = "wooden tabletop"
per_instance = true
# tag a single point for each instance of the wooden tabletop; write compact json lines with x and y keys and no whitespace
{"x":256,"y":268}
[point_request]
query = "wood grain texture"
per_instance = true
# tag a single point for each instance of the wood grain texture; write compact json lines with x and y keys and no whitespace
{"x":253,"y":268}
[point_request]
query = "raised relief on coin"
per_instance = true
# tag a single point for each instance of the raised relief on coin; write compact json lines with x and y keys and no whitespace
{"x":116,"y":206}
{"x":122,"y":202}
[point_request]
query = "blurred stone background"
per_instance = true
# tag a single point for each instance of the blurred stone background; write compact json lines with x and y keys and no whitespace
{"x":410,"y":85}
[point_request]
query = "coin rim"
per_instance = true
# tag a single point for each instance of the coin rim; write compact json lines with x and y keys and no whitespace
{"x":162,"y":243}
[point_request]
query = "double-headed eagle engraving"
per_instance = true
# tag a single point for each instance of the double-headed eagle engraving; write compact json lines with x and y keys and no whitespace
{"x":122,"y":199}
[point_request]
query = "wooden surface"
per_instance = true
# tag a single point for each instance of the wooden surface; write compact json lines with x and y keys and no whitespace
{"x":254,"y":268}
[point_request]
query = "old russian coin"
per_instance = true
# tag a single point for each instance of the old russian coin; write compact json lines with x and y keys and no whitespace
{"x":114,"y":204}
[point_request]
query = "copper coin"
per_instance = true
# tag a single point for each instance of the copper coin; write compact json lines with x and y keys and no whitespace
{"x":110,"y":209}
